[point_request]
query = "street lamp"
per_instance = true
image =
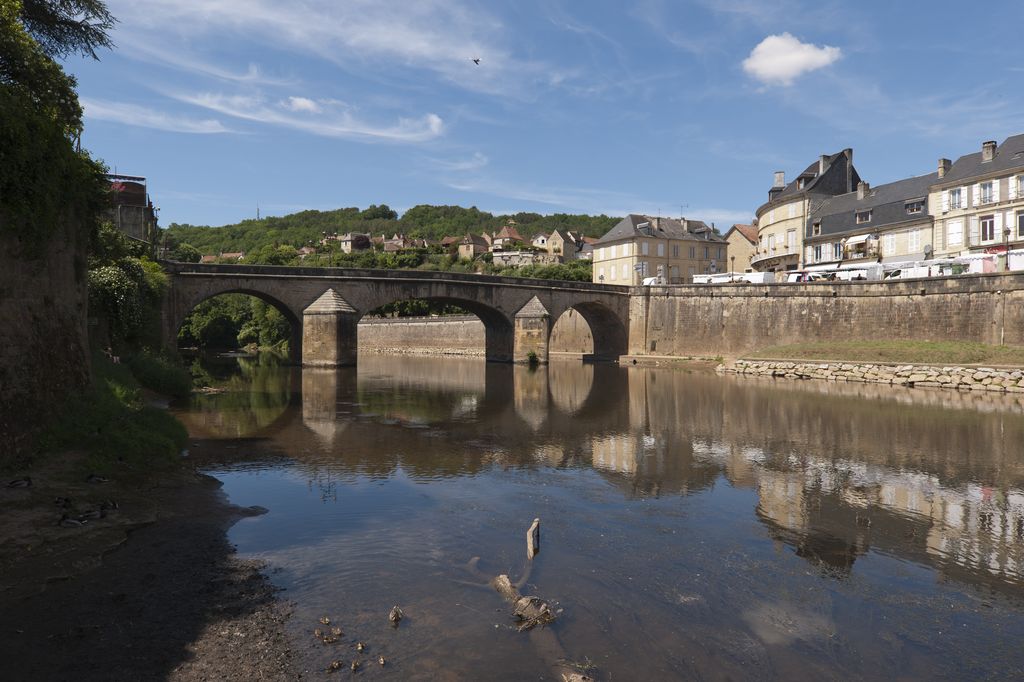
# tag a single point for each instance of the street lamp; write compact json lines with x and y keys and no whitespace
{"x":1006,"y":249}
{"x":733,"y":268}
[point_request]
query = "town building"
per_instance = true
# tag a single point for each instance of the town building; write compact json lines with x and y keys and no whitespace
{"x":978,"y":201}
{"x":507,"y":238}
{"x":131,"y":210}
{"x":641,"y":246}
{"x":887,"y":223}
{"x":563,"y":244}
{"x":782,"y":220}
{"x":742,"y":241}
{"x":473,"y":245}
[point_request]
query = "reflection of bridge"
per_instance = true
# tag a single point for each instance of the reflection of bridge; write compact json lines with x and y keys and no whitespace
{"x":324,"y":305}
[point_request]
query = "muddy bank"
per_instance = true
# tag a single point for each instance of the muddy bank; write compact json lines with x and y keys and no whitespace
{"x":151,"y":591}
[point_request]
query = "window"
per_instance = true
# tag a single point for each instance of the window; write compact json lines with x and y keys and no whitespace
{"x":771,"y":242}
{"x":816,"y":228}
{"x":817,"y":252}
{"x":661,"y":250}
{"x":693,"y":252}
{"x":706,"y":252}
{"x":720,"y":254}
{"x":675,"y":251}
{"x":956,"y":198}
{"x":987,"y":195}
{"x":988,"y":228}
{"x":600,"y":274}
{"x":863,"y":216}
{"x":914,"y":241}
{"x":954,"y":233}
{"x":889,"y":245}
{"x":1020,"y":186}
{"x":791,"y":240}
{"x":771,"y":216}
{"x":1020,"y":224}
{"x":645,"y":248}
{"x":792,"y":210}
{"x":915,"y":207}
{"x":837,"y":251}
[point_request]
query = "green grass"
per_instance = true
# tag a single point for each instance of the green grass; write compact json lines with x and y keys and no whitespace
{"x":159,"y":374}
{"x":917,"y":352}
{"x":110,"y":422}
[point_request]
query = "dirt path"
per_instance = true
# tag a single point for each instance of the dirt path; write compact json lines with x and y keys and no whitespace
{"x":152,"y":591}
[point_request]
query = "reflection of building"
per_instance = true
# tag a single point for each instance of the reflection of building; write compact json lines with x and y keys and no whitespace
{"x":131,"y":211}
{"x":617,"y":452}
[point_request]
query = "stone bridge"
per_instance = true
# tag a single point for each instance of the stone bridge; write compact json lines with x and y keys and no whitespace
{"x":324,"y":306}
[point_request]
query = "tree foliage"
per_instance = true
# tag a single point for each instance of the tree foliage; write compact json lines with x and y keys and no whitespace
{"x":65,"y":27}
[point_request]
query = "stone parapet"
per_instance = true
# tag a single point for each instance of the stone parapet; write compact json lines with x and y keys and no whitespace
{"x":964,"y":378}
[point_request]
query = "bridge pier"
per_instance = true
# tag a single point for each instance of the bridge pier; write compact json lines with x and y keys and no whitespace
{"x":329,"y":332}
{"x":532,"y":330}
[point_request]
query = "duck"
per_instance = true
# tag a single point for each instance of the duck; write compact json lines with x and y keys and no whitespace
{"x":92,"y":514}
{"x":355,"y":666}
{"x":334,"y":666}
{"x":396,"y":615}
{"x":336,"y":632}
{"x":25,"y":482}
{"x":380,"y":659}
{"x":109,"y":505}
{"x":360,"y":647}
{"x":318,"y":633}
{"x":324,"y":620}
{"x":96,"y":478}
{"x":68,"y":522}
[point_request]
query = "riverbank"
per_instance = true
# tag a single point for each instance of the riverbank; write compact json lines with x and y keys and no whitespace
{"x":151,"y":591}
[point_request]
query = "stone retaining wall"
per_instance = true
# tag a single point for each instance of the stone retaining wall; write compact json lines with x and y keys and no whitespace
{"x":962,"y":378}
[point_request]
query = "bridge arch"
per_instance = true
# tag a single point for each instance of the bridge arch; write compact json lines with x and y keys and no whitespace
{"x":608,"y":328}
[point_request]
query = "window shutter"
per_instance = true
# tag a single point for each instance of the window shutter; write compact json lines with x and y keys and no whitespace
{"x":999,"y":226}
{"x":974,"y":231}
{"x":1012,"y":187}
{"x":945,"y":201}
{"x":995,"y":191}
{"x":976,"y":192}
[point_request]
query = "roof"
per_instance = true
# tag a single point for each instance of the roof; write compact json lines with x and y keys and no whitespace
{"x":887,"y":204}
{"x":447,"y":241}
{"x":474,"y":239}
{"x":565,"y":235}
{"x":1009,"y":156}
{"x":509,"y":232}
{"x":817,"y":181}
{"x":663,"y":228}
{"x":748,"y":231}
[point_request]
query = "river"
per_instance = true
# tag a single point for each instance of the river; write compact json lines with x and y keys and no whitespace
{"x":693,"y":526}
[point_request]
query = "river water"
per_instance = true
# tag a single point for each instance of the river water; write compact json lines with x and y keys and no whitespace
{"x":693,"y":526}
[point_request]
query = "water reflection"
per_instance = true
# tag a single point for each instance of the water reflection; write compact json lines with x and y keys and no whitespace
{"x":692,"y":479}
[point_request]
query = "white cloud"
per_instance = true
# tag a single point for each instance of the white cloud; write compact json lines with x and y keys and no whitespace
{"x":780,"y":59}
{"x":302,"y":104}
{"x":473,"y":163}
{"x":335,"y":120}
{"x":143,"y":117}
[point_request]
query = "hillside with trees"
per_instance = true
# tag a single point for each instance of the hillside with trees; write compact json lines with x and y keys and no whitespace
{"x":424,"y":222}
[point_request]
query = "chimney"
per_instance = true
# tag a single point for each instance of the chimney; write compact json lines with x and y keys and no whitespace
{"x":822,"y":163}
{"x":944,"y":166}
{"x":988,"y":150}
{"x":848,"y":153}
{"x":862,"y":190}
{"x":780,"y":179}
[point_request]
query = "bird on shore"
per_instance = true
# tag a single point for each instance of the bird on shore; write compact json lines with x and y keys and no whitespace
{"x":25,"y":482}
{"x":68,"y":522}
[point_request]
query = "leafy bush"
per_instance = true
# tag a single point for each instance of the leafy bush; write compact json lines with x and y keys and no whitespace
{"x":159,"y":374}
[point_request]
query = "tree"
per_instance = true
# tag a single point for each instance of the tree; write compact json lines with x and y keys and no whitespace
{"x":186,"y":253}
{"x":65,"y":27}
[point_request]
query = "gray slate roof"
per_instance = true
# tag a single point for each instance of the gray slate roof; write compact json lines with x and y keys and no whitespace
{"x":887,"y":204}
{"x":663,"y":228}
{"x":971,"y":166}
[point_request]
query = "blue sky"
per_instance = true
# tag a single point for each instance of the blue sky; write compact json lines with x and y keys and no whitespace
{"x":650,"y":106}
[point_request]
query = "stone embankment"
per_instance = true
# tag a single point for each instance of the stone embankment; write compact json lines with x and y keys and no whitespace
{"x":961,"y":378}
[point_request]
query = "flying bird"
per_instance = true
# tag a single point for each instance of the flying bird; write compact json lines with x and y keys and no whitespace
{"x":476,"y":61}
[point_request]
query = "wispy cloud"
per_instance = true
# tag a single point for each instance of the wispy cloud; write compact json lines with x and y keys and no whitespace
{"x":438,"y":36}
{"x":474,"y":163}
{"x":332,"y":119}
{"x":150,"y":50}
{"x":781,"y":59}
{"x":144,"y":117}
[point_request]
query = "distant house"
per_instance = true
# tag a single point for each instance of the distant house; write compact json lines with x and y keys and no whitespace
{"x":742,"y":240}
{"x":306,"y":251}
{"x":641,"y":246}
{"x":450,"y":244}
{"x":354,"y":241}
{"x":507,"y":238}
{"x":563,"y":244}
{"x":540,"y":241}
{"x":472,"y":246}
{"x":232,"y":255}
{"x":208,"y":259}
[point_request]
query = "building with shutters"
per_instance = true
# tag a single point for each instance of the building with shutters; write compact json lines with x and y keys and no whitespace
{"x":641,"y":246}
{"x":978,"y":200}
{"x":783,"y":219}
{"x":887,"y":223}
{"x":742,"y":241}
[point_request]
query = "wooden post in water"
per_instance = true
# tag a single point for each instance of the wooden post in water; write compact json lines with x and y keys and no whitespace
{"x":533,"y":540}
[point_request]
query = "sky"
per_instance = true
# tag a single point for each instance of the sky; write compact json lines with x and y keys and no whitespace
{"x":653,"y":106}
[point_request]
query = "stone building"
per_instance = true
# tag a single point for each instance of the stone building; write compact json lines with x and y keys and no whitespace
{"x":742,"y":241}
{"x":887,"y":223}
{"x":131,"y":211}
{"x":473,"y":245}
{"x":563,"y":244}
{"x":978,"y":201}
{"x":782,"y":219}
{"x":640,"y":246}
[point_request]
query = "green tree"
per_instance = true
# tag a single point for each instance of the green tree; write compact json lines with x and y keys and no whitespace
{"x":186,"y":253}
{"x":65,"y":27}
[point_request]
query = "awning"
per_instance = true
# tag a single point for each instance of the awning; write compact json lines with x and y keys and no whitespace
{"x":859,"y":239}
